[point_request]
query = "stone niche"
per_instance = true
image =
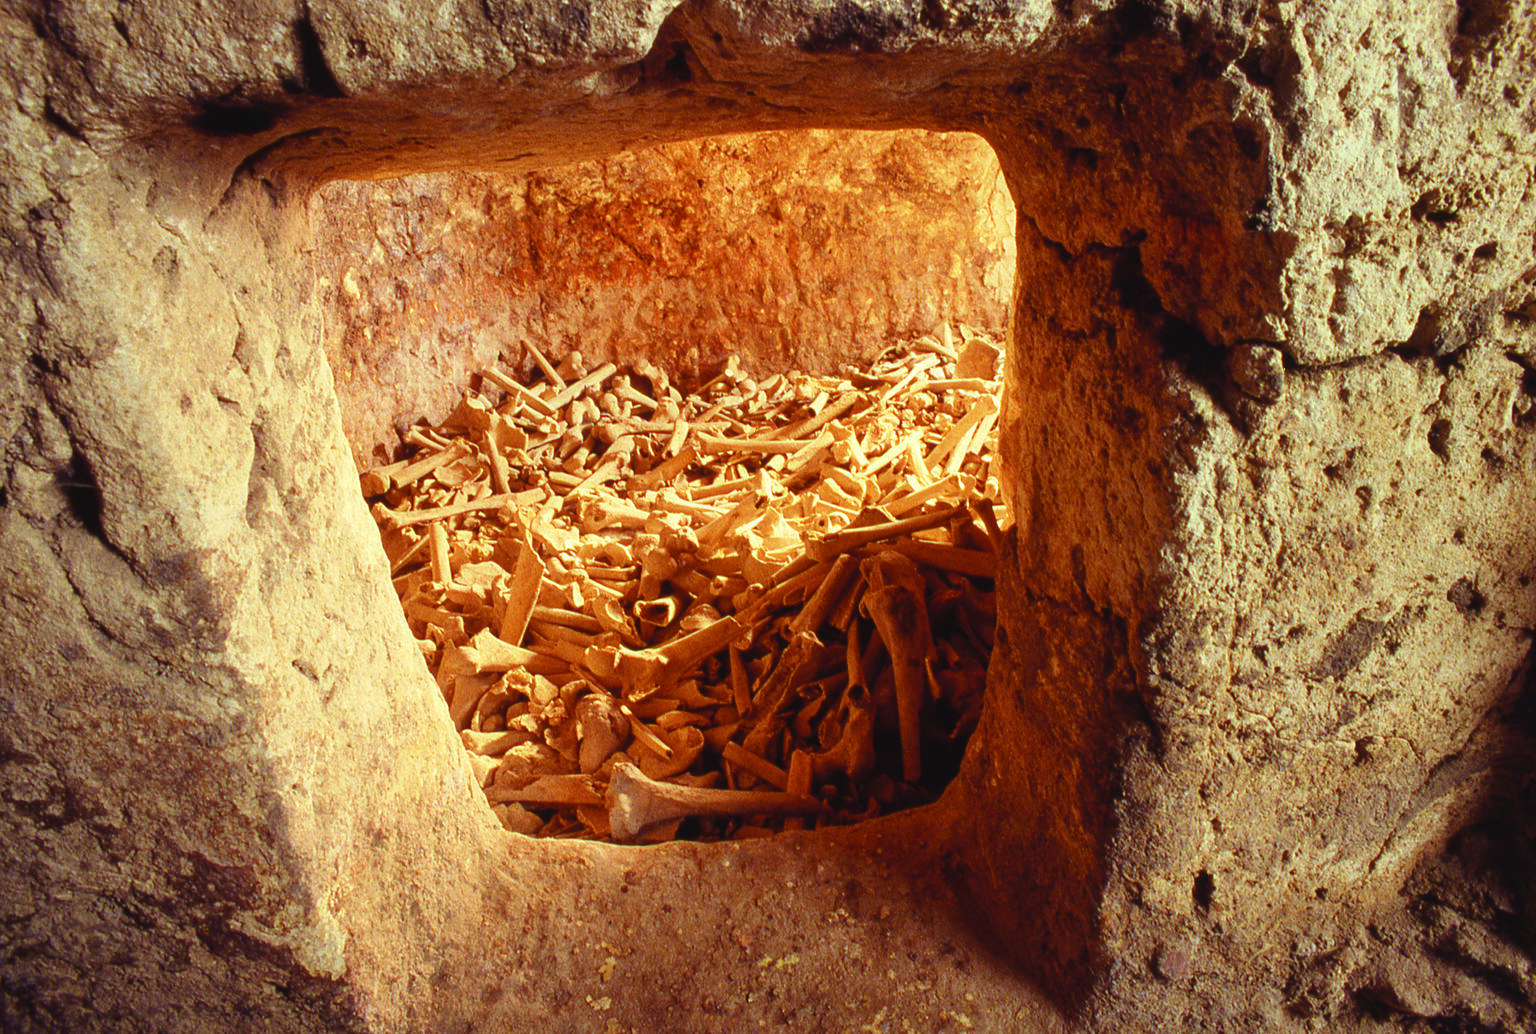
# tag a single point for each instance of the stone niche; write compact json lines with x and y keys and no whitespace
{"x":790,"y":250}
{"x":1264,"y":616}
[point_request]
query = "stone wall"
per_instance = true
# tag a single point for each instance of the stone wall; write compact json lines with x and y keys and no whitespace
{"x":794,"y":250}
{"x":1263,"y":617}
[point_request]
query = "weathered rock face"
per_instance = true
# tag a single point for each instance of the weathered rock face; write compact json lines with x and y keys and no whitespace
{"x":794,"y":250}
{"x":1270,"y":437}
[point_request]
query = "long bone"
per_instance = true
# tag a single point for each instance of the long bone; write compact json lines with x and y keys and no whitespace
{"x":854,"y":753}
{"x":636,"y":802}
{"x":895,"y":601}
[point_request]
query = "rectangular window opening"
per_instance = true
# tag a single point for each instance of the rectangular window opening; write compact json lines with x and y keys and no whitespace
{"x":685,"y":465}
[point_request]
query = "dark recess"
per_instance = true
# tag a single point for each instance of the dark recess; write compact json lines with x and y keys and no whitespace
{"x":1085,"y":158}
{"x":1481,"y":18}
{"x":1200,"y":360}
{"x":1204,"y":890}
{"x":1528,"y":374}
{"x":670,"y":63}
{"x":1433,"y":209}
{"x":677,"y":69}
{"x":82,"y":494}
{"x":1466,"y":599}
{"x":1131,"y":286}
{"x":1137,"y":19}
{"x":1442,"y":337}
{"x":315,"y":71}
{"x":1439,"y":438}
{"x":224,"y":118}
{"x":1250,"y":141}
{"x":59,"y":122}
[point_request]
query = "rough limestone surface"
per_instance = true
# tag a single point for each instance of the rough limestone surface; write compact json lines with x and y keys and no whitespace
{"x":804,"y":249}
{"x":1256,"y":753}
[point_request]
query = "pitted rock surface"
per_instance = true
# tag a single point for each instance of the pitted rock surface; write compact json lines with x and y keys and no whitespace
{"x":1256,"y":747}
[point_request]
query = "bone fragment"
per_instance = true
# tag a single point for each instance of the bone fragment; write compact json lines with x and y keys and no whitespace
{"x":896,"y":605}
{"x":817,"y":422}
{"x":544,"y":364}
{"x":853,"y":756}
{"x":624,"y":389}
{"x":636,"y":802}
{"x":442,"y":571}
{"x":987,"y":511}
{"x":798,"y":657}
{"x":741,"y":683}
{"x":758,"y":765}
{"x":678,"y":437}
{"x":684,"y":654}
{"x":515,"y":390}
{"x":413,"y":472}
{"x":404,"y":519}
{"x":978,"y":359}
{"x":488,"y":653}
{"x":608,"y":468}
{"x":710,"y":443}
{"x":517,"y":819}
{"x":985,"y":407}
{"x":966,"y":448}
{"x":645,"y":736}
{"x":814,"y":614}
{"x":573,"y":365}
{"x":601,"y":728}
{"x":729,"y":375}
{"x":565,"y":395}
{"x":494,"y":744}
{"x":567,"y":619}
{"x":799,"y":784}
{"x":376,"y":481}
{"x":853,"y":538}
{"x":467,"y":691}
{"x":664,"y":472}
{"x":731,"y":487}
{"x":945,"y":557}
{"x":687,"y":744}
{"x":657,"y":613}
{"x":916,"y":464}
{"x":948,"y":487}
{"x":522,"y":591}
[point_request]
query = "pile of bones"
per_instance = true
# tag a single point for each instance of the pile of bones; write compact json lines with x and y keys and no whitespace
{"x":760,"y":605}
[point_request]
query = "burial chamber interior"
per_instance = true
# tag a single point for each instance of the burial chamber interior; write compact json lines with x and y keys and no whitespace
{"x":1164,"y":792}
{"x":729,"y":263}
{"x":1027,"y":817}
{"x":789,"y":251}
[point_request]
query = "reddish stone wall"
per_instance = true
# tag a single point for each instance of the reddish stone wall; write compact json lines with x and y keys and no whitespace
{"x":806,"y":249}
